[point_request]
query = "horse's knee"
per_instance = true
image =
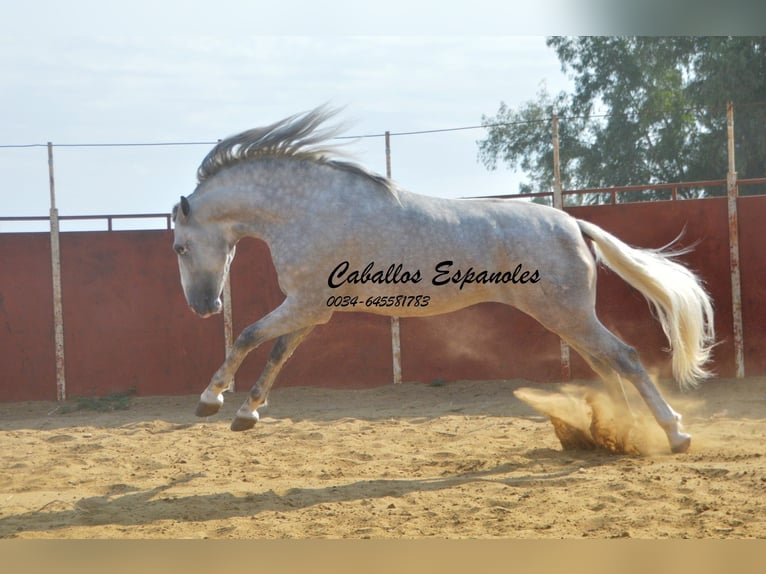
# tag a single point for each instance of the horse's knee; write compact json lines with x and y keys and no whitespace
{"x":249,"y":338}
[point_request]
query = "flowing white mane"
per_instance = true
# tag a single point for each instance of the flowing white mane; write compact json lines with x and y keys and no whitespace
{"x":298,"y":136}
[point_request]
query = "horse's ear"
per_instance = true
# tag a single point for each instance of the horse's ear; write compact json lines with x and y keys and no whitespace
{"x":185,"y":207}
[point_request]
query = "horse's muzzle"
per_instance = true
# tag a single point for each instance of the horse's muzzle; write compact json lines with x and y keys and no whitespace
{"x":207,"y":306}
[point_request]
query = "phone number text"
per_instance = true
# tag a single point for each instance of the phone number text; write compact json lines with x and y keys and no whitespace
{"x":379,"y":301}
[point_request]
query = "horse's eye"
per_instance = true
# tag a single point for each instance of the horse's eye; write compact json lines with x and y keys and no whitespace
{"x":181,"y":249}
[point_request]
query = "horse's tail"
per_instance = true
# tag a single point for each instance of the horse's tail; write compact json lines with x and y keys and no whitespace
{"x":675,"y":295}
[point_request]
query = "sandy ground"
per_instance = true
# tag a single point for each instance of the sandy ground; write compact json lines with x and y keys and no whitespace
{"x":462,"y":460}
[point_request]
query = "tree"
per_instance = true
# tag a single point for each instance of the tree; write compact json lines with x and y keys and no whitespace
{"x":644,"y":110}
{"x":731,"y":69}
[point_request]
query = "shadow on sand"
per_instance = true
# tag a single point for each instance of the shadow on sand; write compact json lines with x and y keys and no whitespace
{"x":129,"y":508}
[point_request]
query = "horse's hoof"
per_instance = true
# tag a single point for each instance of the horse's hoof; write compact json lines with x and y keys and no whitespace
{"x":243,"y":423}
{"x":682,"y":444}
{"x":207,"y":409}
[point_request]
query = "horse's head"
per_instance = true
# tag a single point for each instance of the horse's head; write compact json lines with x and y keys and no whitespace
{"x":205,"y":251}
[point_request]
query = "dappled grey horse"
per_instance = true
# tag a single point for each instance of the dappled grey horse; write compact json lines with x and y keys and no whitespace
{"x":345,"y":239}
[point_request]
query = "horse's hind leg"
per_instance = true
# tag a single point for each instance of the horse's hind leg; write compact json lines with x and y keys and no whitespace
{"x":247,"y":415}
{"x":576,"y":323}
{"x":668,"y":419}
{"x":598,"y":342}
{"x":612,"y":381}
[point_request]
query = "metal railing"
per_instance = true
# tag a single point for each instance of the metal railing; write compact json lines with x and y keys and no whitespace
{"x":109,"y":218}
{"x":615,"y":191}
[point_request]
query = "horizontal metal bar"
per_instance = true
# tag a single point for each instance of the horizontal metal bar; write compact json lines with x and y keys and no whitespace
{"x":102,"y":217}
{"x":610,"y":190}
{"x":647,"y":187}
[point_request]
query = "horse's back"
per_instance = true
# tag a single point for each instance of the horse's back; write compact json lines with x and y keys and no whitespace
{"x":451,"y":254}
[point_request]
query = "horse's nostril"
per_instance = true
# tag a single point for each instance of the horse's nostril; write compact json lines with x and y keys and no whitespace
{"x":213,"y":305}
{"x":206,"y":306}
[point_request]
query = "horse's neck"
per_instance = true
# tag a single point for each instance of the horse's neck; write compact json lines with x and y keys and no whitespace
{"x":264,"y":200}
{"x":254,"y":201}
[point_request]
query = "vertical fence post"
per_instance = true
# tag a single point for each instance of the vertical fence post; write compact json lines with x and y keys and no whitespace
{"x":228,"y":326}
{"x":228,"y":321}
{"x":58,"y":313}
{"x":396,"y":343}
{"x":558,"y":203}
{"x":558,"y":198}
{"x":736,"y":286}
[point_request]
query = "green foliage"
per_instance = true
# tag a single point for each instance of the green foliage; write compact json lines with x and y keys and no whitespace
{"x":110,"y":402}
{"x":644,"y":110}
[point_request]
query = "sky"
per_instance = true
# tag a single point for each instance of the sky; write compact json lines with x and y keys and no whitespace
{"x":150,"y":72}
{"x":69,"y":80}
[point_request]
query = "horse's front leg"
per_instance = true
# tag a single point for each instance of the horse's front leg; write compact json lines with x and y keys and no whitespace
{"x":247,"y":415}
{"x":211,"y":399}
{"x":283,"y":320}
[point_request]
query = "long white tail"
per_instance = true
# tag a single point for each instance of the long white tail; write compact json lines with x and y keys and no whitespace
{"x":675,"y":294}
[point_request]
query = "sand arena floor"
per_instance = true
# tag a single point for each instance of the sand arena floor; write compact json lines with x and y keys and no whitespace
{"x":463,"y":460}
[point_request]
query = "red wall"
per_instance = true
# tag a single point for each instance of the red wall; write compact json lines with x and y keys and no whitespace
{"x":624,"y":311}
{"x":752,"y":253}
{"x":486,"y":341}
{"x":126,"y":323}
{"x":27,"y":366}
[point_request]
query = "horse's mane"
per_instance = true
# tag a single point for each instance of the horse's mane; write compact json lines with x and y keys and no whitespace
{"x":297,"y":136}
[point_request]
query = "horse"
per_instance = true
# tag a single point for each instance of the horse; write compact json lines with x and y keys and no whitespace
{"x":345,"y":239}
